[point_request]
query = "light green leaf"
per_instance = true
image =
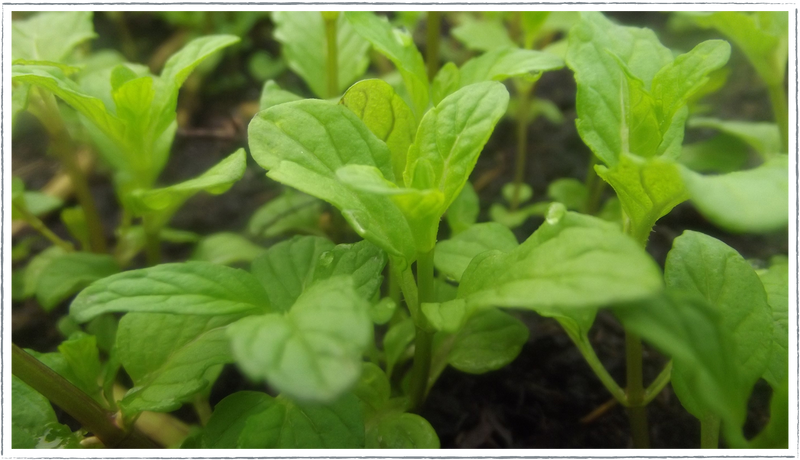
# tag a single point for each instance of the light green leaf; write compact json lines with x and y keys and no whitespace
{"x":481,"y":35}
{"x":387,"y":116}
{"x":704,"y":266}
{"x":168,"y":357}
{"x":525,"y":192}
{"x":490,"y":340}
{"x":764,"y":137}
{"x":396,"y":341}
{"x":572,"y":193}
{"x":226,"y":248}
{"x":776,"y":283}
{"x":363,"y":261}
{"x":50,"y":36}
{"x":37,"y":264}
{"x":287,"y":268}
{"x":464,"y":210}
{"x":189,"y":288}
{"x":69,"y":273}
{"x":452,"y":257}
{"x":38,"y":204}
{"x":313,"y":352}
{"x":684,"y":327}
{"x":272,"y":94}
{"x":303,"y":42}
{"x":446,"y":82}
{"x":401,"y":431}
{"x":82,"y":356}
{"x":755,"y":201}
{"x":290,"y":211}
{"x":450,"y":138}
{"x":399,"y":47}
{"x":647,"y":189}
{"x":513,"y":219}
{"x":216,"y":180}
{"x":31,"y":415}
{"x":373,"y":389}
{"x":596,"y":48}
{"x":572,"y":262}
{"x":383,"y":310}
{"x":251,"y":420}
{"x":503,"y":63}
{"x":75,"y":220}
{"x":722,"y":153}
{"x":181,"y":64}
{"x":302,"y":144}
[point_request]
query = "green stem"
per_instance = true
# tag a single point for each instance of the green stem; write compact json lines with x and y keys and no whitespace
{"x":658,"y":384}
{"x":64,"y":150}
{"x":780,"y":109}
{"x":595,"y":187}
{"x":423,"y":341}
{"x":432,"y":45}
{"x":594,"y":362}
{"x":524,"y":93}
{"x":637,"y":411}
{"x":75,"y":402}
{"x":203,"y":409}
{"x":709,"y":432}
{"x":332,"y":61}
{"x":152,"y":242}
{"x":40,"y":227}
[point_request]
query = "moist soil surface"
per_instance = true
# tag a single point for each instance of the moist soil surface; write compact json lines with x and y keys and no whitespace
{"x":544,"y":398}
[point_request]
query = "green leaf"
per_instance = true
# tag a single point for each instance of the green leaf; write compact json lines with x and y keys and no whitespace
{"x":287,"y":268}
{"x":30,"y":413}
{"x":181,"y":64}
{"x":776,"y":283}
{"x":722,"y":154}
{"x":82,"y":356}
{"x":169,"y":356}
{"x":313,"y":351}
{"x":513,"y":219}
{"x":401,"y":431}
{"x":303,"y":42}
{"x":597,"y":47}
{"x":373,"y":389}
{"x":481,"y":35}
{"x":446,"y":82}
{"x":398,"y":47}
{"x":38,"y":204}
{"x":251,"y":420}
{"x":383,"y":310}
{"x":69,"y":273}
{"x":387,"y":116}
{"x":764,"y":137}
{"x":704,"y":266}
{"x":50,"y":36}
{"x":75,"y":221}
{"x":503,"y":63}
{"x":753,"y":201}
{"x":647,"y":190}
{"x":762,"y":36}
{"x":572,"y":193}
{"x":216,"y":180}
{"x":452,"y":257}
{"x":290,"y":211}
{"x":302,"y":144}
{"x":571,"y":262}
{"x":490,"y":340}
{"x":189,"y":288}
{"x":776,"y":434}
{"x":396,"y":341}
{"x":684,"y":327}
{"x":464,"y":210}
{"x":272,"y":94}
{"x":37,"y":264}
{"x":525,"y":192}
{"x":226,"y":248}
{"x":451,"y":136}
{"x":363,"y":261}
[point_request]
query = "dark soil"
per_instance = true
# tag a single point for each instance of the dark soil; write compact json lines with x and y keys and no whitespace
{"x":537,"y":401}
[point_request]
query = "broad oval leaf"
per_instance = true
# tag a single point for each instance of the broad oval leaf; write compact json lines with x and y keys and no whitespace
{"x":181,"y":64}
{"x":752,"y":201}
{"x":452,"y":257}
{"x":764,"y":137}
{"x":387,"y":116}
{"x":401,"y":431}
{"x":190,"y":288}
{"x":490,"y":340}
{"x":313,"y":352}
{"x":70,"y":273}
{"x":503,"y":63}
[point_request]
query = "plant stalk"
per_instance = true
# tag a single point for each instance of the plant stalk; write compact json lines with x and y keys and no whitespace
{"x":75,"y":402}
{"x":40,"y":227}
{"x":780,"y":110}
{"x":594,"y":187}
{"x":423,"y":341}
{"x":637,"y":411}
{"x":64,"y":149}
{"x":709,"y":432}
{"x":658,"y":384}
{"x":432,"y":45}
{"x":152,"y":242}
{"x":332,"y":60}
{"x":600,"y":371}
{"x":523,"y":110}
